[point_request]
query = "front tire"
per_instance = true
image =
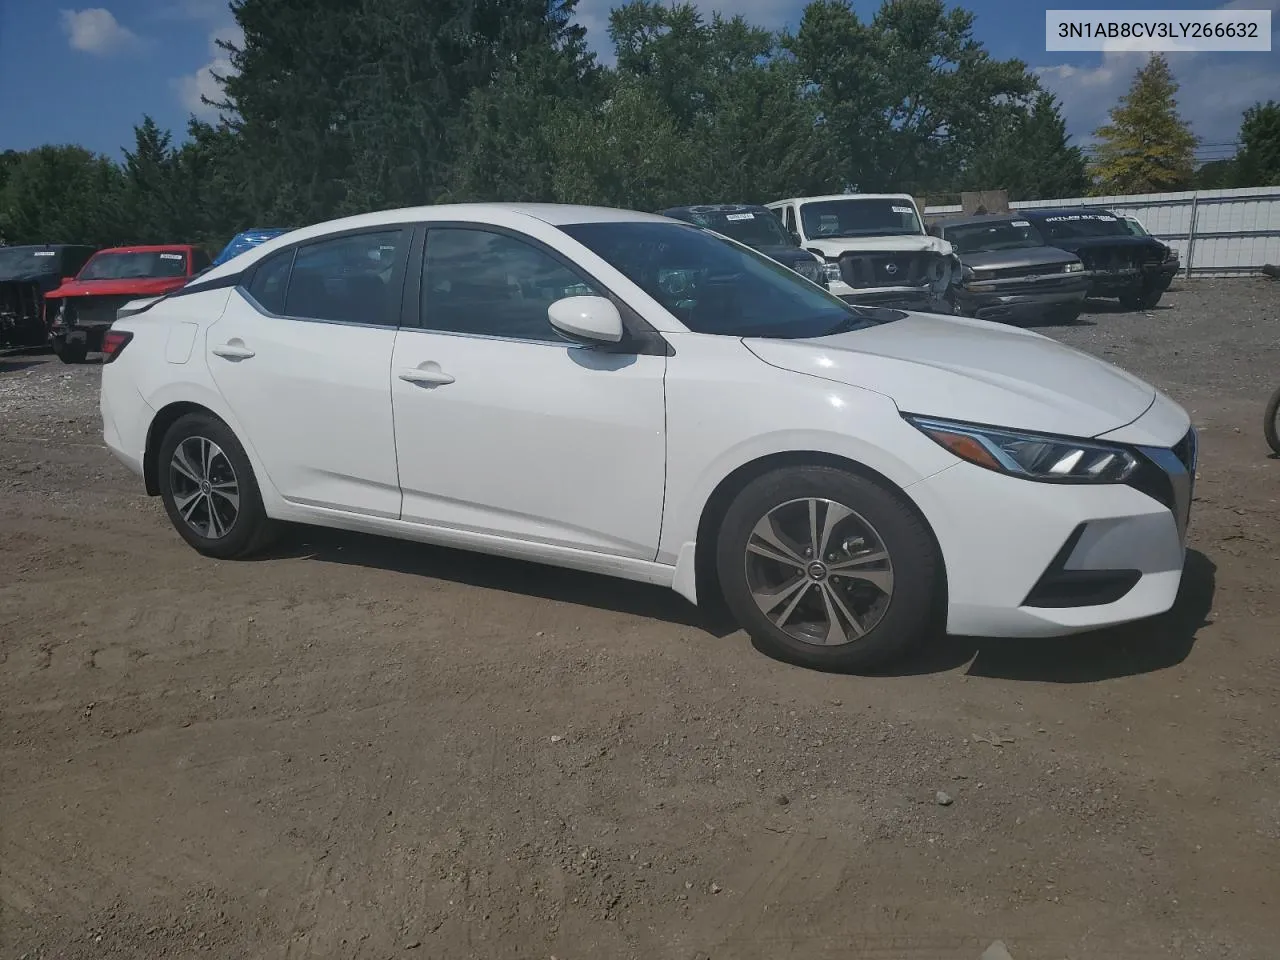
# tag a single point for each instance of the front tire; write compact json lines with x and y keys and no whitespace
{"x":1144,"y":299}
{"x":209,"y":490}
{"x":827,"y":569}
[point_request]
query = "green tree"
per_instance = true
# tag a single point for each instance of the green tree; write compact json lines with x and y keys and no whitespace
{"x":1258,"y":163}
{"x":900,"y":95}
{"x":62,"y":194}
{"x":1027,"y":152}
{"x":1147,"y":147}
{"x":151,"y":206}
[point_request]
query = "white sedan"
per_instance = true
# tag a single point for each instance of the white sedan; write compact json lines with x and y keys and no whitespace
{"x":627,"y":394}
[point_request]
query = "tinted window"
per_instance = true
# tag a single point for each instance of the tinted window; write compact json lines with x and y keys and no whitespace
{"x":861,"y":217}
{"x":991,"y":236}
{"x":755,"y":228}
{"x":493,"y":285}
{"x":133,"y":266}
{"x":270,"y":280}
{"x":1078,"y":226}
{"x":712,"y":286}
{"x":348,"y":279}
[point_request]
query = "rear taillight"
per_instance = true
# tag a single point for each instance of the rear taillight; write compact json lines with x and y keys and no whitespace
{"x":113,"y":343}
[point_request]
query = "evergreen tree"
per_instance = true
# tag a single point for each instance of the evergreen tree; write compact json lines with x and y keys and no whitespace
{"x":1147,"y":147}
{"x":1028,"y":154}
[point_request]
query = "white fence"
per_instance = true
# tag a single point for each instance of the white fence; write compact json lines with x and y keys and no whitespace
{"x":1217,"y":233}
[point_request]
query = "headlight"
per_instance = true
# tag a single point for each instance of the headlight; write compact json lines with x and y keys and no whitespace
{"x":1075,"y":266}
{"x":967,"y":274}
{"x":831,"y":270}
{"x":809,"y":269}
{"x":1032,"y":456}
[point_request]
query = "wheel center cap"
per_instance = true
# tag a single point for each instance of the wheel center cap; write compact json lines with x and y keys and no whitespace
{"x":206,"y":486}
{"x":817,"y":571}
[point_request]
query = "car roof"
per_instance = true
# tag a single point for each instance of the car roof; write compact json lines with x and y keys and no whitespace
{"x":979,"y":219}
{"x":713,"y":208}
{"x":1041,"y":212}
{"x":842,"y":196}
{"x":151,"y":248}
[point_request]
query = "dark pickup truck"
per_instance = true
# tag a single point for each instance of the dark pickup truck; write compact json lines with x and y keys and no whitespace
{"x":27,"y":273}
{"x":1133,"y":269}
{"x":1008,"y":273}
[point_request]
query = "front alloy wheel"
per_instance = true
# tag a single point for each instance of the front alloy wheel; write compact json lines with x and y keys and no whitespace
{"x":819,"y":571}
{"x":828,"y":569}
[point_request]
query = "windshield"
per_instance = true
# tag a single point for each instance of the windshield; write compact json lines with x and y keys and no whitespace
{"x":714,"y":286}
{"x":755,"y":228}
{"x":26,"y":261}
{"x":998,"y":235}
{"x":133,"y":266}
{"x":1077,"y":226}
{"x":860,"y":217}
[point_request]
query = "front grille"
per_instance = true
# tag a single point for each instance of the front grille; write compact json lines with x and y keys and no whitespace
{"x":95,"y":311}
{"x":1115,"y":259}
{"x":887,"y":269}
{"x":1011,"y":273}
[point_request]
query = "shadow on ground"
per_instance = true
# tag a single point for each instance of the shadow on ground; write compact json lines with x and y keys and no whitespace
{"x":1115,"y":306}
{"x":1142,"y":647}
{"x":498,"y":573}
{"x":1123,"y":651}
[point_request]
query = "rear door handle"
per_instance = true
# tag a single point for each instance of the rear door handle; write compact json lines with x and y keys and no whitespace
{"x":428,"y":375}
{"x":234,"y":350}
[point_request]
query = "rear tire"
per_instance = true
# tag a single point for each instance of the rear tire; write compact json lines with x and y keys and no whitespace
{"x":70,"y":352}
{"x":1143,"y":300}
{"x":871,"y":597}
{"x":209,"y":490}
{"x":1271,"y":423}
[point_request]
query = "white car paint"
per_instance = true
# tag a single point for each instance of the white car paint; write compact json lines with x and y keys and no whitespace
{"x":562,"y":454}
{"x":831,"y":248}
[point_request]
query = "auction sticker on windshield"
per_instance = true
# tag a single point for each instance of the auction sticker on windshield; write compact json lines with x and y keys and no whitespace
{"x":44,"y":253}
{"x":170,"y":256}
{"x":1020,"y":223}
{"x":739,"y":216}
{"x":901,"y":209}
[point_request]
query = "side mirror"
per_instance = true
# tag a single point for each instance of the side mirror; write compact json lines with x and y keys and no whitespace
{"x":795,"y":235}
{"x":587,"y":319}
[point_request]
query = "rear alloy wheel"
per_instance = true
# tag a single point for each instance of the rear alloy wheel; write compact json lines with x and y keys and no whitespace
{"x":209,"y":489}
{"x":827,"y":569}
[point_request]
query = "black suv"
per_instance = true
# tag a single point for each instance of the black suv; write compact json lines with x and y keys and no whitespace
{"x":1119,"y":264}
{"x":756,"y":227}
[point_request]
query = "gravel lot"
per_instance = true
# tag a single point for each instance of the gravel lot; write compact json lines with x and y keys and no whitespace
{"x":366,"y":749}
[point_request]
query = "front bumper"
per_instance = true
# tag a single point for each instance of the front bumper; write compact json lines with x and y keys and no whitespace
{"x":1027,"y":559}
{"x":1022,"y":299}
{"x":923,"y":299}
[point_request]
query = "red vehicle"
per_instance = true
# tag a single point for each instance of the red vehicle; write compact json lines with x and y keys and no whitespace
{"x":79,"y":312}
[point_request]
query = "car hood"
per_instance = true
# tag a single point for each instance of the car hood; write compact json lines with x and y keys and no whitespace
{"x":832,"y":247}
{"x":138,"y":287}
{"x":972,"y":370}
{"x":1025,"y":257}
{"x":787,"y":255}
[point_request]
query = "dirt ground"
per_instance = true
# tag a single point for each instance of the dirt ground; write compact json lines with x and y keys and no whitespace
{"x":365,"y":749}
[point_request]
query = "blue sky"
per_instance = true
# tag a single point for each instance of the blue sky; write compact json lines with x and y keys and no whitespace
{"x":86,"y":74}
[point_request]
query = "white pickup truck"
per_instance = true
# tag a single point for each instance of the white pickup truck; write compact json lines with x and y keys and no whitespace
{"x":874,"y":249}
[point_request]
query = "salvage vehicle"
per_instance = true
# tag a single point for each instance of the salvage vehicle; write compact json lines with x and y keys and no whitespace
{"x":759,"y":229}
{"x":1009,"y":273}
{"x":875,"y":249}
{"x":527,"y":380}
{"x":27,"y":274}
{"x":1121,"y":265}
{"x":247,"y":240}
{"x":1172,"y":261}
{"x":79,"y":312}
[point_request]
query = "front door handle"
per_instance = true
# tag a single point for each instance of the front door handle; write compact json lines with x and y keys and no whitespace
{"x":234,"y":350}
{"x":428,"y":375}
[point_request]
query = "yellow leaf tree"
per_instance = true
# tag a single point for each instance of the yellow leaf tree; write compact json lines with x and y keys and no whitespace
{"x":1147,"y":147}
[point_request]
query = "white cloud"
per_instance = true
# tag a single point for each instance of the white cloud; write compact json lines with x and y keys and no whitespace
{"x":203,"y":82}
{"x":97,"y":31}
